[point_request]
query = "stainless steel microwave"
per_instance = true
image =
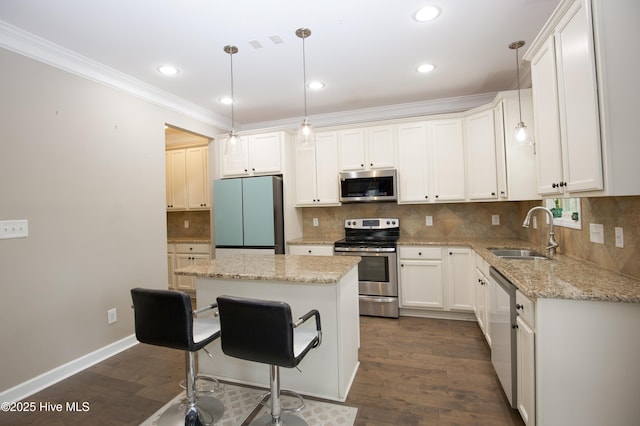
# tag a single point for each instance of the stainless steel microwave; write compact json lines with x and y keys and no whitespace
{"x":368,"y":186}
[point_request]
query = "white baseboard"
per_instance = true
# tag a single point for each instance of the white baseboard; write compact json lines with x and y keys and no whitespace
{"x":51,"y":377}
{"x":426,"y":313}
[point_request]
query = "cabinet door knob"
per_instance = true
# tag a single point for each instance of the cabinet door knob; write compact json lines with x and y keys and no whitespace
{"x":437,"y":196}
{"x":426,"y":196}
{"x":419,"y":253}
{"x":519,"y":306}
{"x":514,"y":326}
{"x":493,"y":194}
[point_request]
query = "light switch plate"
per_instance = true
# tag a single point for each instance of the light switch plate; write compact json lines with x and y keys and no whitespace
{"x":429,"y":220}
{"x":14,"y":229}
{"x":495,"y":219}
{"x":619,"y":237}
{"x":596,"y":233}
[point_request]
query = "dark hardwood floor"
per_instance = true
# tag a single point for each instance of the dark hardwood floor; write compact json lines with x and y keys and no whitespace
{"x":413,"y":371}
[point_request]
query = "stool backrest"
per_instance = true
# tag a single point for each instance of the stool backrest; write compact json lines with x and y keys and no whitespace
{"x":257,"y":330}
{"x":163,"y":318}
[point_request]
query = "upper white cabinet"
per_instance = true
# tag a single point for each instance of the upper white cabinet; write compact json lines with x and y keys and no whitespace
{"x":565,"y":103}
{"x":176,"y":176}
{"x":257,"y":154}
{"x":431,"y":161}
{"x":515,"y":161}
{"x":197,"y":177}
{"x":480,"y":149}
{"x":317,"y":171}
{"x":367,"y":148}
{"x":187,"y":174}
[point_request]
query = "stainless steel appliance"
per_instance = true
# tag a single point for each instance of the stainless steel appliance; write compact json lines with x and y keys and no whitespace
{"x":368,"y":186}
{"x":374,"y":240}
{"x":502,"y":323}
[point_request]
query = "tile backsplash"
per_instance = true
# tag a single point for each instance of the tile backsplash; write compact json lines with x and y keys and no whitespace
{"x":199,"y":224}
{"x":474,"y":220}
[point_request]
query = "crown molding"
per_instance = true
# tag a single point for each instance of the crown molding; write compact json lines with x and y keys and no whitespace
{"x":24,"y":43}
{"x":389,"y":112}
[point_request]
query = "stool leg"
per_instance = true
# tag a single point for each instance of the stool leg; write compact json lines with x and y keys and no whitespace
{"x":277,"y":417}
{"x":276,"y":408}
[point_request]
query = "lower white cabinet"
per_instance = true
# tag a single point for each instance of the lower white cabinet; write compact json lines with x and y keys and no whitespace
{"x":186,"y":255}
{"x":435,"y":278}
{"x":525,"y":369}
{"x":311,"y":250}
{"x":483,"y":288}
{"x":421,"y":277}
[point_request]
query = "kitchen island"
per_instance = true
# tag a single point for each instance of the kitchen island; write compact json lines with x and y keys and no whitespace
{"x":328,"y":284}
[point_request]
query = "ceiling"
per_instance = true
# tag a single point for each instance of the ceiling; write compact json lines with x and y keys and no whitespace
{"x":365,"y":52}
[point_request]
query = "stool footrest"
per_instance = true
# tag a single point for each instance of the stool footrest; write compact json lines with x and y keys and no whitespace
{"x":297,"y":408}
{"x":204,"y":384}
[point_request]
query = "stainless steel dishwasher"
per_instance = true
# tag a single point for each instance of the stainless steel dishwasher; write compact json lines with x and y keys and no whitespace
{"x":502,"y":319}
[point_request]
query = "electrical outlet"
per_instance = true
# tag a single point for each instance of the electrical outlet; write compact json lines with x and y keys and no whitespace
{"x":186,"y":223}
{"x":619,"y":237}
{"x":535,"y":222}
{"x":495,"y":219}
{"x":429,"y":220}
{"x":315,"y":221}
{"x":596,"y":233}
{"x":112,"y":316}
{"x":14,"y":229}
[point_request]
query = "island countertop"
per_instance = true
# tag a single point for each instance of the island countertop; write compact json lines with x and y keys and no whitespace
{"x":279,"y":267}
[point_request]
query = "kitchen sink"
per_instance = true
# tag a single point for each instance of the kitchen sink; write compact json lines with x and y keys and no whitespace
{"x":510,"y":253}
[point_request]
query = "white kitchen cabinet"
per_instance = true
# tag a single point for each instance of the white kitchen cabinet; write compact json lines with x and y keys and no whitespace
{"x":187,"y":174}
{"x":367,"y":148}
{"x":176,"y":178}
{"x":480,"y":150}
{"x":421,"y":277}
{"x":257,"y":154}
{"x":197,"y":159}
{"x":431,"y":161}
{"x":525,"y":364}
{"x":565,"y":103}
{"x":459,"y":279}
{"x":171,"y":266}
{"x":186,"y":255}
{"x":483,"y":288}
{"x":317,"y":172}
{"x":311,"y":250}
{"x":515,"y":160}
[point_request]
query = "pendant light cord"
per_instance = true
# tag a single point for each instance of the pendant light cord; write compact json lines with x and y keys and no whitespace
{"x":518,"y":77}
{"x":304,"y":77}
{"x":233,"y":99}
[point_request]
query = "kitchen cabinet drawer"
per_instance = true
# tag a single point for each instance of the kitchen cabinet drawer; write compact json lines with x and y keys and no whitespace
{"x":192,"y":248}
{"x":420,"y":252}
{"x":526,"y":309}
{"x":312,"y":250}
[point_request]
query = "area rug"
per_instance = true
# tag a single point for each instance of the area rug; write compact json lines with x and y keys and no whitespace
{"x":240,"y":402}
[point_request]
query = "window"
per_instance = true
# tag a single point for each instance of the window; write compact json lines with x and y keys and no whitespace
{"x":566,"y":212}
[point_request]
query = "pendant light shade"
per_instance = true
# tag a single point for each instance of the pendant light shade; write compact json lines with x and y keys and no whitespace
{"x":306,"y":135}
{"x":520,"y":132}
{"x":232,"y":144}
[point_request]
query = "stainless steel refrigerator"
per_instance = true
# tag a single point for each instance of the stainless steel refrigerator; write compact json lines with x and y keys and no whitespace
{"x":248,"y":214}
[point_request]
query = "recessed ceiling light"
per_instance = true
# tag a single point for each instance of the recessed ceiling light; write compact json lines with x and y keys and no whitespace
{"x":226,"y":100}
{"x":316,"y":85}
{"x":427,"y":13}
{"x":424,"y":68}
{"x":168,"y":70}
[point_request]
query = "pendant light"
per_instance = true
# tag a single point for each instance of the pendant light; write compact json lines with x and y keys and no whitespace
{"x":520,"y":132}
{"x":232,"y":144}
{"x":306,"y":136}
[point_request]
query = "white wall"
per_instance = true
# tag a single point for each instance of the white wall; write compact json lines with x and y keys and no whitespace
{"x":84,"y":163}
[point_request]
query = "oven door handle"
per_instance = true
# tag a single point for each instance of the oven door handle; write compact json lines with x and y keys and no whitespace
{"x":365,"y":249}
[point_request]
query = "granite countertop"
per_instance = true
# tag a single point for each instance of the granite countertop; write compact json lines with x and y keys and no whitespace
{"x":279,"y":267}
{"x":189,"y":240}
{"x":561,"y":278}
{"x":317,"y":241}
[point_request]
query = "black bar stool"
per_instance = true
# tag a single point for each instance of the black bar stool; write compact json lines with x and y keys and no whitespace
{"x":263,"y":331}
{"x":165,"y":318}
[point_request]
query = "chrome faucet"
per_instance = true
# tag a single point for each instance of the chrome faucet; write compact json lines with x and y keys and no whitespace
{"x":552,"y":236}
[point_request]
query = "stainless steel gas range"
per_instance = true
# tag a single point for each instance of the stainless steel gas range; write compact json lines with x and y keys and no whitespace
{"x":375,"y":241}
